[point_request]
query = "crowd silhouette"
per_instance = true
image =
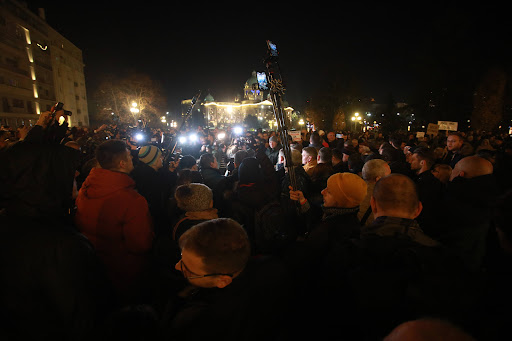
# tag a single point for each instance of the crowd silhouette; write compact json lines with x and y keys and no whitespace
{"x":383,"y":237}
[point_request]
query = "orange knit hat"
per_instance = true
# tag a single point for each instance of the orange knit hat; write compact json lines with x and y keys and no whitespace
{"x":348,"y":189}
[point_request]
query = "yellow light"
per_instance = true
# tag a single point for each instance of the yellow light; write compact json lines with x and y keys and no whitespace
{"x":353,"y":118}
{"x":357,"y":114}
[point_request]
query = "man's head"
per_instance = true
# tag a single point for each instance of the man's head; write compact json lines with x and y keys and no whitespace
{"x":454,"y":142}
{"x":114,"y":155}
{"x":273,"y":141}
{"x":427,"y":329}
{"x":421,"y":160}
{"x":324,"y":155}
{"x":471,"y":167}
{"x":375,"y":169}
{"x":331,"y":136}
{"x":345,"y":190}
{"x":213,"y":253}
{"x":207,"y":160}
{"x":239,"y":156}
{"x":315,"y":138}
{"x":442,"y":172}
{"x":151,"y":156}
{"x":295,"y":155}
{"x":395,"y":196}
{"x":337,"y":156}
{"x":309,"y":154}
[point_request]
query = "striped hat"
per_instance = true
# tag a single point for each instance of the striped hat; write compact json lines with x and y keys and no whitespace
{"x":149,"y":154}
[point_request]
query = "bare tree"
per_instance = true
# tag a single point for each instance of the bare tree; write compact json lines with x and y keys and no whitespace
{"x":129,"y":99}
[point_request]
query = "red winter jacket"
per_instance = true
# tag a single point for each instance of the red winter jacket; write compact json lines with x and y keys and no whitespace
{"x":116,"y":219}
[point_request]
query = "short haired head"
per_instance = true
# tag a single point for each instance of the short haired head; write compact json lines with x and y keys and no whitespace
{"x":239,"y":156}
{"x":471,"y":167}
{"x":311,"y":151}
{"x":375,"y":169}
{"x":110,"y":153}
{"x":187,"y":162}
{"x":337,"y":154}
{"x":325,"y":155}
{"x":396,"y":195}
{"x":205,"y":160}
{"x":221,"y":243}
{"x":427,"y":329}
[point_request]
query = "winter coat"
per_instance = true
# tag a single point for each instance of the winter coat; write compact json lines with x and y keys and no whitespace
{"x":465,"y":217}
{"x":250,"y":308}
{"x":116,"y":219}
{"x":156,"y":187}
{"x":53,"y":286}
{"x":36,"y":177}
{"x":391,"y":274}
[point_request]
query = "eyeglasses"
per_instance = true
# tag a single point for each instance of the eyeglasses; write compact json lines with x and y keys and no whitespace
{"x":183,"y":268}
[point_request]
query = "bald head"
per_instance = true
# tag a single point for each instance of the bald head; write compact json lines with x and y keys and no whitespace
{"x":428,"y":330}
{"x":375,"y":169}
{"x":471,"y":167}
{"x":395,"y":195}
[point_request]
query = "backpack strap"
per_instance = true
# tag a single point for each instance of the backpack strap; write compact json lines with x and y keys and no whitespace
{"x":176,"y":227}
{"x":366,"y":215}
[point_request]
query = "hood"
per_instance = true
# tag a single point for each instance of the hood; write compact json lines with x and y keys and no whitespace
{"x":103,"y":182}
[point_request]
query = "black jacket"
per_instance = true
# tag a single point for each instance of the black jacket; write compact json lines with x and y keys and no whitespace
{"x":252,"y":307}
{"x":36,"y":176}
{"x":53,"y":286}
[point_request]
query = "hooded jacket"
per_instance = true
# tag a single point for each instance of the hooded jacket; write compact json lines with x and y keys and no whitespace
{"x":116,"y":219}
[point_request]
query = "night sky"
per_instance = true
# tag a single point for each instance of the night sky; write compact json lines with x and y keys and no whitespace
{"x":213,"y":47}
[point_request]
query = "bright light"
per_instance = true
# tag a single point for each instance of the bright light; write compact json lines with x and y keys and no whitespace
{"x":221,"y":136}
{"x":193,"y":138}
{"x":301,"y":121}
{"x":357,"y":114}
{"x":134,"y":104}
{"x":139,"y":137}
{"x":182,"y":139}
{"x":229,"y":109}
{"x":238,"y":130}
{"x":353,"y":118}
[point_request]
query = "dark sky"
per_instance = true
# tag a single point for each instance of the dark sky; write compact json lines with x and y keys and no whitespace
{"x":194,"y":46}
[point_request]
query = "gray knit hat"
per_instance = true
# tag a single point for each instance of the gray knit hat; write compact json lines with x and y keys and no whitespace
{"x":193,"y":197}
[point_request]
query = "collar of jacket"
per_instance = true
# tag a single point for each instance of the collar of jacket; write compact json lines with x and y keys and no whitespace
{"x":397,"y":227}
{"x":330,"y":212}
{"x":102,"y":182}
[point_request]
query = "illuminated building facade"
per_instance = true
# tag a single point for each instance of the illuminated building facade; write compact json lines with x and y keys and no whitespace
{"x":255,"y":102}
{"x":38,"y":67}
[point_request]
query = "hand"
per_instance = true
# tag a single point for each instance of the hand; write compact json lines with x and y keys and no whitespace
{"x":23,"y":132}
{"x":296,"y":195}
{"x":44,"y":119}
{"x":173,"y":165}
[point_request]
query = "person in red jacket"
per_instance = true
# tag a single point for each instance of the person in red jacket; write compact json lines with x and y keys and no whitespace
{"x":116,"y":219}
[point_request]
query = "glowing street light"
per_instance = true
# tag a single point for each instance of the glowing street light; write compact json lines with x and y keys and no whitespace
{"x":134,"y":108}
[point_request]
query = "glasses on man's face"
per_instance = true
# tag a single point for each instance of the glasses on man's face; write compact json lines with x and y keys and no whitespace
{"x":183,"y":268}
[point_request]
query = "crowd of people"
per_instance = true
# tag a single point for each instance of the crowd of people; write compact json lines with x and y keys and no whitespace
{"x":358,"y":237}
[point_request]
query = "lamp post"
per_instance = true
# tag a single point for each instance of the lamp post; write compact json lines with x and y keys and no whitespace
{"x":356,"y":118}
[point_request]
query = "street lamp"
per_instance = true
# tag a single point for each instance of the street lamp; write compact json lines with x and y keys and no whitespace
{"x":356,"y":118}
{"x":134,"y":108}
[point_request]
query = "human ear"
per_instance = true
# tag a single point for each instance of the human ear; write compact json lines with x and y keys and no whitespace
{"x":223,"y":281}
{"x":373,"y":205}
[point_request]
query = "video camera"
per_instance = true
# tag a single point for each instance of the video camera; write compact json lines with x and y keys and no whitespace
{"x":58,"y":107}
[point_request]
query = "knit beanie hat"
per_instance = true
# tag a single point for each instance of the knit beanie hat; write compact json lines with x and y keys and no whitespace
{"x":348,"y":189}
{"x":149,"y":154}
{"x":194,"y":197}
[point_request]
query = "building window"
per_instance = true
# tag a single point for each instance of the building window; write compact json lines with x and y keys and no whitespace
{"x":18,"y":103}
